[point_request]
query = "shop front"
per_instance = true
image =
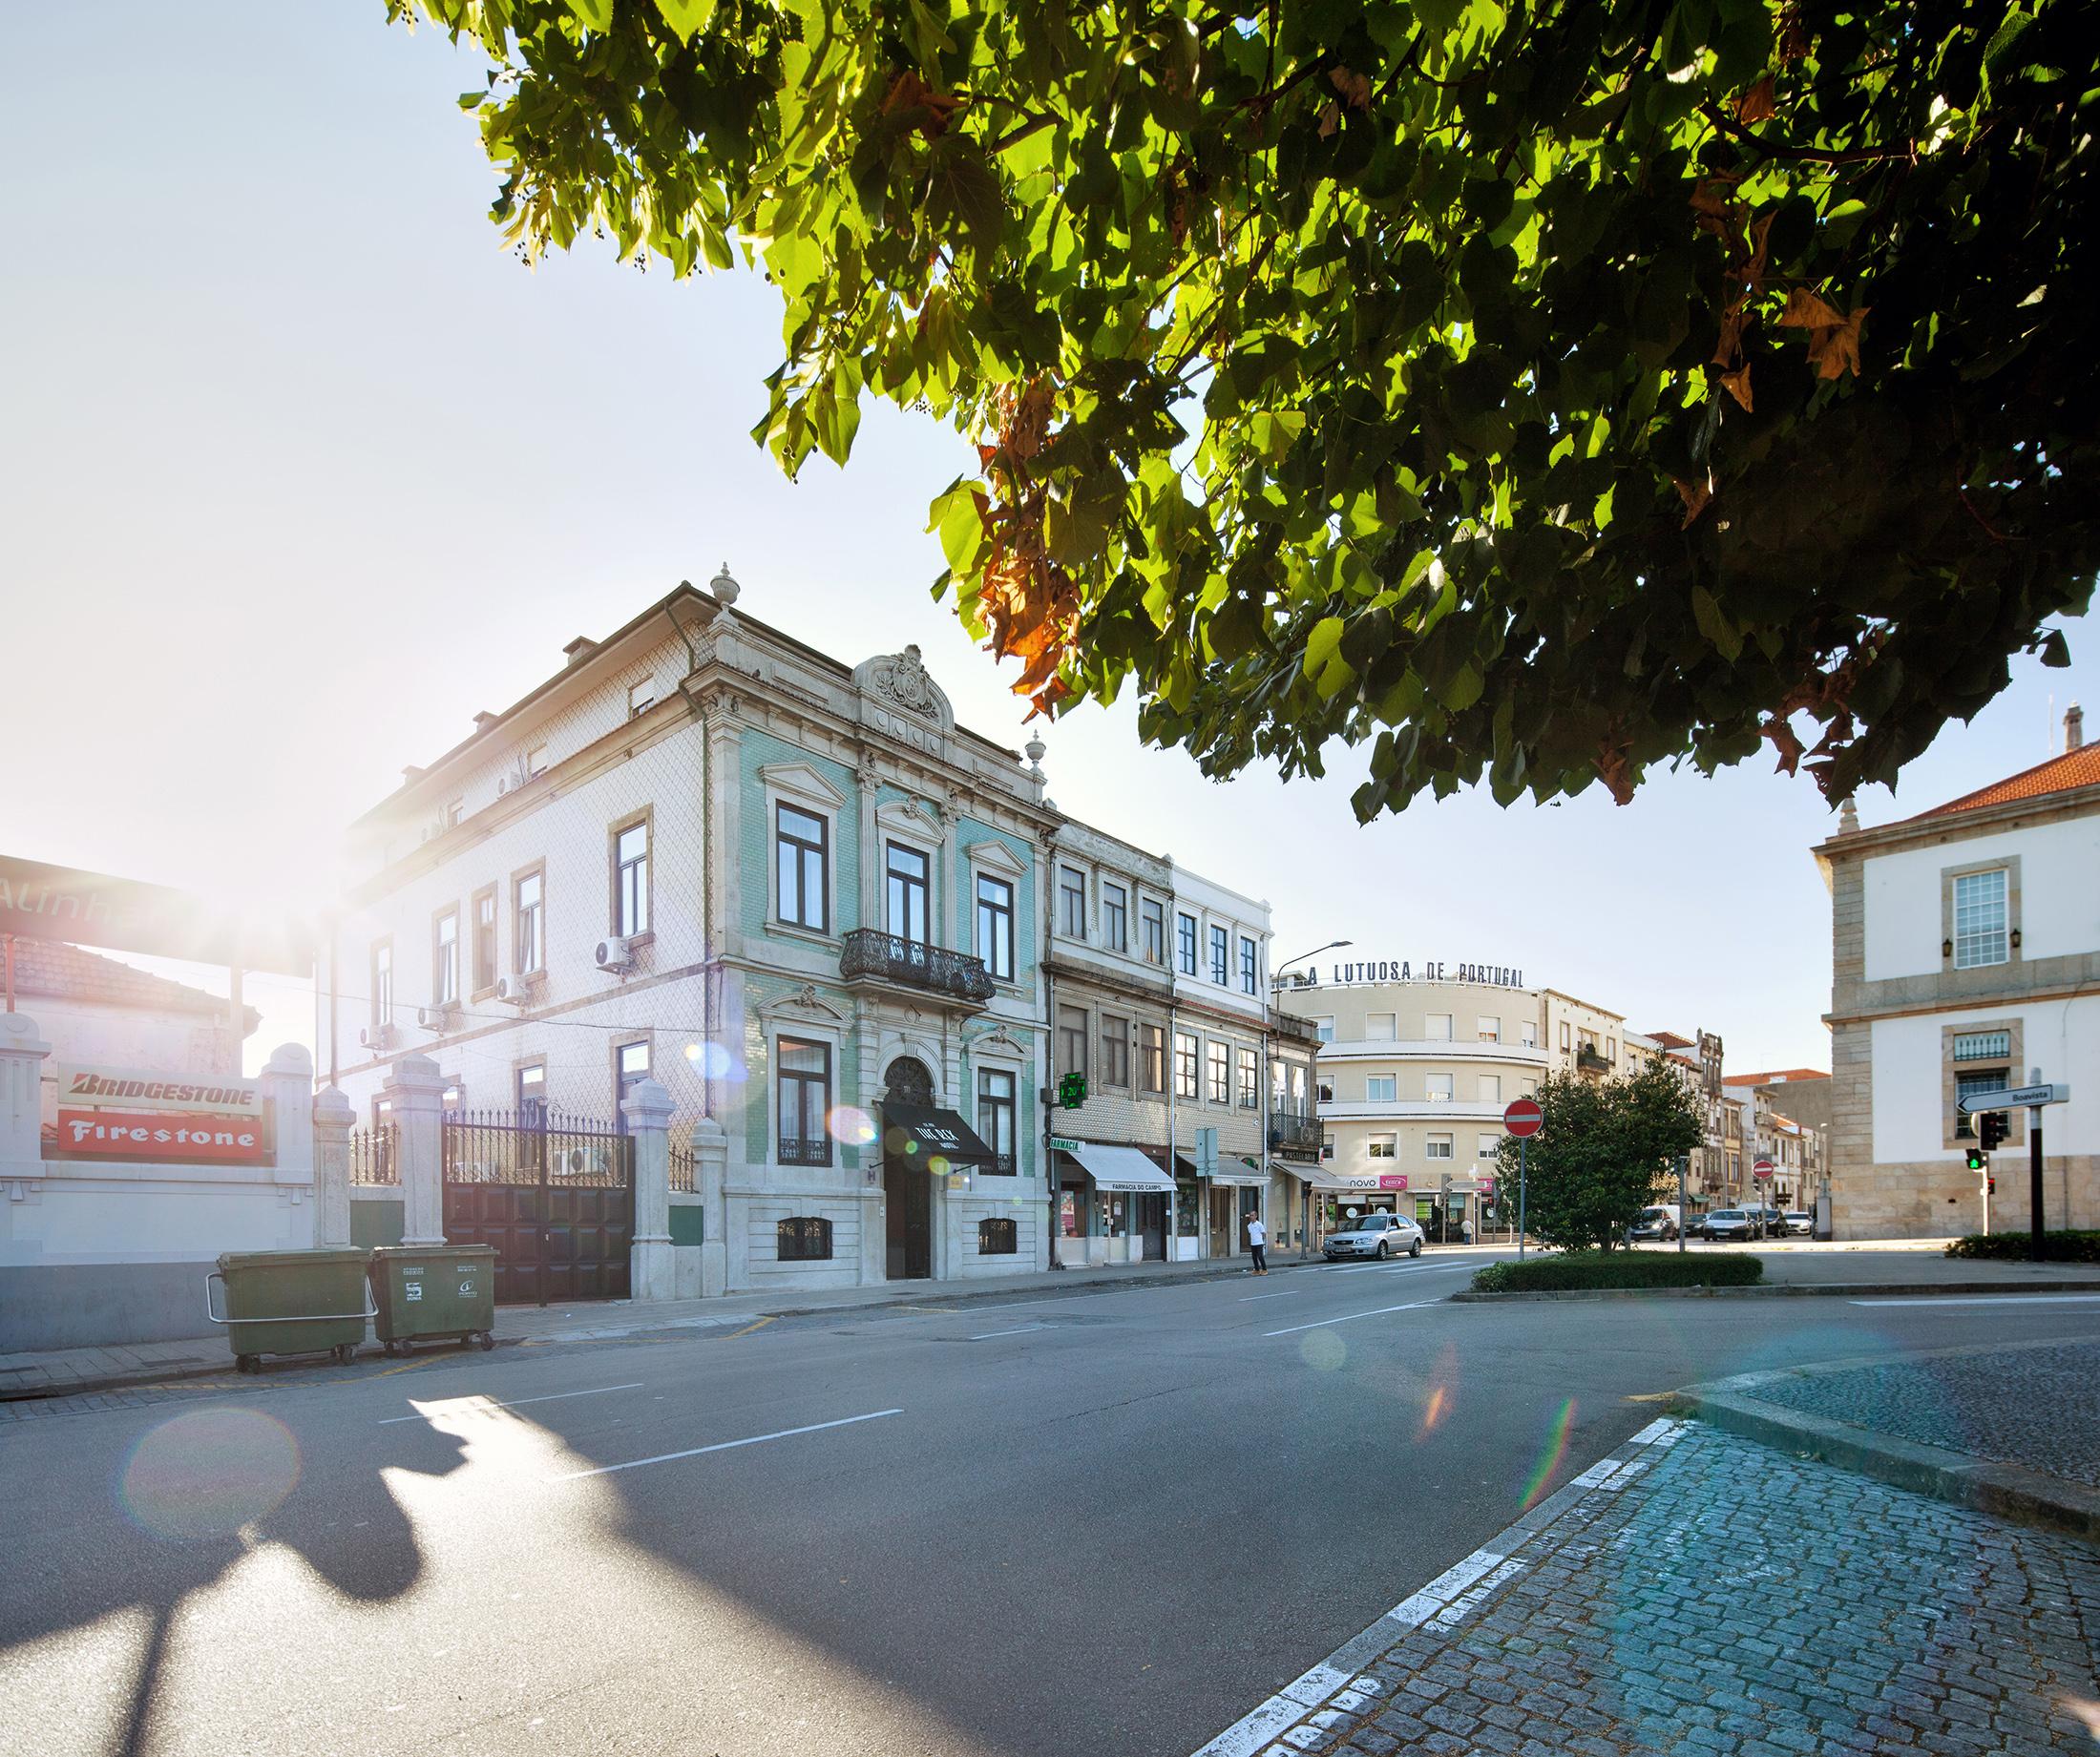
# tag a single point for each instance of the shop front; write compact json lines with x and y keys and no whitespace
{"x":1352,"y":1195}
{"x":927,"y":1154}
{"x":1112,"y":1204}
{"x":1295,"y":1210}
{"x":1235,"y":1197}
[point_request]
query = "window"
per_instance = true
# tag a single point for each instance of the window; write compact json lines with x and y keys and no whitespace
{"x":1976,"y":1079}
{"x":1490,"y":1030}
{"x":1491,"y":1089}
{"x":445,"y":961}
{"x":1383,"y":1147}
{"x":1249,"y":1081}
{"x":1071,"y":902}
{"x":640,"y":698}
{"x":1983,"y":1046}
{"x":1529,"y":1034}
{"x":1151,"y":1057}
{"x":1979,"y":919}
{"x":1185,"y":1064}
{"x":630,"y":1068}
{"x":1219,"y":1066}
{"x":1221,"y":956}
{"x":1531,"y":1085}
{"x":1297,"y":1090}
{"x":803,"y":843}
{"x":1185,"y":943}
{"x":906,"y":888}
{"x":996,"y":1116}
{"x":1249,"y":967}
{"x":1071,"y":1041}
{"x":1565,"y":1035}
{"x":1114,"y":917}
{"x":1327,"y":1148}
{"x":1324,"y":1029}
{"x":1438,"y":1147}
{"x":996,"y":926}
{"x":1437,"y":1027}
{"x":631,"y":881}
{"x":1153,"y":918}
{"x":804,"y":1101}
{"x":536,"y":761}
{"x":456,"y":812}
{"x":997,"y":1237}
{"x":1436,"y":1087}
{"x":805,"y":1238}
{"x":1326,"y":1089}
{"x":1611,"y":1049}
{"x":1487,"y":1146}
{"x":1115,"y":1051}
{"x":382,"y":982}
{"x":528,"y":907}
{"x":1381,"y":1089}
{"x":530,"y":1084}
{"x":1381,"y":1027}
{"x":485,"y":938}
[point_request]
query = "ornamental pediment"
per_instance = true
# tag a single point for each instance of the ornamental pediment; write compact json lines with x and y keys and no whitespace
{"x":900,"y":696}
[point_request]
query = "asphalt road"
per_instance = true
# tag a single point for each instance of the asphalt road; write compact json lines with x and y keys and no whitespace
{"x":1103,"y":1523}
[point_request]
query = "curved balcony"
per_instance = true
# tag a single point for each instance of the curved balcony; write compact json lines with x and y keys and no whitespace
{"x":889,"y":960}
{"x":1432,"y":1049}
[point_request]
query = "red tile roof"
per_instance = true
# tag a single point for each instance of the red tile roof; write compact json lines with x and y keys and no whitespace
{"x":68,"y":972}
{"x":1773,"y":1076}
{"x":2074,"y":769}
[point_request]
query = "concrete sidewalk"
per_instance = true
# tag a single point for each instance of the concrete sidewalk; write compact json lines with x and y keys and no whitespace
{"x":69,"y":1372}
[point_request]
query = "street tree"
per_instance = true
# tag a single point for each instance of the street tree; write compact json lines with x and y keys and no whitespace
{"x":1605,"y":1152}
{"x":1536,"y":393}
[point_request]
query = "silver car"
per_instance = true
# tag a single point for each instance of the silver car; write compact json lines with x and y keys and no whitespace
{"x":1375,"y":1235}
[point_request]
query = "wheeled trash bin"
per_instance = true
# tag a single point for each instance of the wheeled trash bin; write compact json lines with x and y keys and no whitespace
{"x":290,"y":1302}
{"x":442,"y":1291}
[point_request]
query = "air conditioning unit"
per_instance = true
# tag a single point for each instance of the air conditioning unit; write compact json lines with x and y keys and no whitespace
{"x":438,"y":1018}
{"x":513,"y":989}
{"x":616,"y":955}
{"x":376,"y":1036}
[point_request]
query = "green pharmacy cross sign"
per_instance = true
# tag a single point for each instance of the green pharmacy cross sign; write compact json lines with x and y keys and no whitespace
{"x":1071,"y":1091}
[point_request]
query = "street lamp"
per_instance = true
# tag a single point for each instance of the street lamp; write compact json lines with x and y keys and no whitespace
{"x":1275,"y":971}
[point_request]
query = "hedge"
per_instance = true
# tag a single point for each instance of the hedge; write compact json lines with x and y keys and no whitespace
{"x":2013,"y":1247}
{"x":1582,"y":1270}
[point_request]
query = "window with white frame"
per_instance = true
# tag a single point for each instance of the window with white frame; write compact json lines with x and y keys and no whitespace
{"x":1528,"y":1037}
{"x":529,"y":914}
{"x":1324,"y":1029}
{"x":1325,"y":1086}
{"x":444,"y":960}
{"x":907,"y":891}
{"x":804,"y":1088}
{"x":1249,"y":967}
{"x":1185,"y":1064}
{"x":1567,"y":1034}
{"x":1381,"y":1088}
{"x":1382,"y":1147}
{"x":1380,"y":1027}
{"x":1436,"y":1087}
{"x":631,"y":881}
{"x":1115,"y":916}
{"x":996,"y":926}
{"x":1489,"y":1030}
{"x":1115,"y":1050}
{"x":1151,"y":1056}
{"x":1218,"y":1060}
{"x":1438,"y":1147}
{"x":382,"y":982}
{"x":456,"y":812}
{"x":1071,"y":902}
{"x":536,"y":761}
{"x":1185,"y":943}
{"x":1491,"y":1089}
{"x":640,"y":698}
{"x":1249,"y":1079}
{"x":1979,"y":935}
{"x":1327,"y":1148}
{"x":1221,"y":956}
{"x":1152,"y":918}
{"x":802,"y":842}
{"x":996,"y":1118}
{"x":1437,"y":1027}
{"x":485,"y":938}
{"x":1487,"y":1146}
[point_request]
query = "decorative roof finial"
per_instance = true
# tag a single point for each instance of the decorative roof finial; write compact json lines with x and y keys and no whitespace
{"x":724,"y":587}
{"x":1848,"y":818}
{"x":1034,"y":749}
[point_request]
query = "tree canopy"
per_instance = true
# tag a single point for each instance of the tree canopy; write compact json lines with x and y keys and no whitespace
{"x":1537,"y":392}
{"x":1604,"y":1153}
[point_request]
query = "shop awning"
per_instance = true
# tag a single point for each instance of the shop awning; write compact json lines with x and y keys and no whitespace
{"x":1244,"y":1173}
{"x":919,"y":1136}
{"x":1119,"y":1168}
{"x":1298,"y":1169}
{"x":1326,"y":1177}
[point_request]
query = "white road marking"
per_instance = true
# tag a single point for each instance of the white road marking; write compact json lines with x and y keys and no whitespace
{"x":1284,"y":1295}
{"x":553,"y":1396}
{"x":1992,"y":1299}
{"x":1019,"y":1330}
{"x":1375,"y":1311}
{"x":695,"y":1451}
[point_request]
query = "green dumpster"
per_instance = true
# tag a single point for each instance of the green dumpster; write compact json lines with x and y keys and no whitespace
{"x":443,"y":1291}
{"x":290,"y":1302}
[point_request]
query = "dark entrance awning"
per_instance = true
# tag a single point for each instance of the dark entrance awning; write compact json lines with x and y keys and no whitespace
{"x":917,"y":1134}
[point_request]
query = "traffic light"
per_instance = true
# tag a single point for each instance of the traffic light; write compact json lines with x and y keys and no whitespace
{"x":1991,"y":1128}
{"x":1990,"y":1186}
{"x":1977,"y":1160}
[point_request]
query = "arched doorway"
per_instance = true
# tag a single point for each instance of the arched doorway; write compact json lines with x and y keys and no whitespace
{"x":907,"y":1186}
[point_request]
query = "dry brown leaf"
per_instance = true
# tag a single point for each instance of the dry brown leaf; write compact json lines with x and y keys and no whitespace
{"x":1331,"y":117}
{"x":909,"y":91}
{"x":1834,"y":348}
{"x":1732,"y":334}
{"x":1805,"y":311}
{"x":1352,"y":85}
{"x":1755,"y":105}
{"x":1753,"y":271}
{"x":1737,"y":384}
{"x":1695,"y":496}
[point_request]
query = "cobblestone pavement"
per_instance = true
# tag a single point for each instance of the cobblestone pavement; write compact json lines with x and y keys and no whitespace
{"x":1726,"y":1597}
{"x":2032,"y":1407}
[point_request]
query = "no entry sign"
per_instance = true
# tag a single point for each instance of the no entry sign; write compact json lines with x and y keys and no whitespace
{"x":1523,"y":1117}
{"x":1761,"y":1170}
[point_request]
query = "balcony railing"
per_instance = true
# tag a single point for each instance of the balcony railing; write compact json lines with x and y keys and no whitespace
{"x":1288,"y":1129}
{"x":891,"y":957}
{"x":1593,"y":1060}
{"x":805,"y":1149}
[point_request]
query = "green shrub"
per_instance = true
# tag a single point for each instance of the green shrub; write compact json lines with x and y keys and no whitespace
{"x":1583,"y":1269}
{"x":2012,"y":1246}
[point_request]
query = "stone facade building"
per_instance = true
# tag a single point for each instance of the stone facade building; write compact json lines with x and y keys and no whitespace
{"x":1966,"y":956}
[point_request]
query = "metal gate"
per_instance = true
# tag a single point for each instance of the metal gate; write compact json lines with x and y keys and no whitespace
{"x":555,"y":1195}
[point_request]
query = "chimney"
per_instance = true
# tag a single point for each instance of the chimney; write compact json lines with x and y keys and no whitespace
{"x":2074,"y":727}
{"x":484,"y":720}
{"x":580,"y":649}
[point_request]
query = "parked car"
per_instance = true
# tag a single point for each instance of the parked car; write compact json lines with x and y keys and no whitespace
{"x":1660,"y":1223}
{"x":1375,"y":1235}
{"x":1770,"y":1222}
{"x":1798,"y":1221}
{"x":1728,"y":1226}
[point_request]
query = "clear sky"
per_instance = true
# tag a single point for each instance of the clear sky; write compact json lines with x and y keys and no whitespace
{"x":299,"y":467}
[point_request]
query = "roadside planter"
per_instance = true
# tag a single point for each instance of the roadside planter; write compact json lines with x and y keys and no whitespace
{"x":290,"y":1302}
{"x":427,"y":1292}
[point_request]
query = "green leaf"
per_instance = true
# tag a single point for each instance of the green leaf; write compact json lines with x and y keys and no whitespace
{"x":1725,"y":636}
{"x":686,"y":17}
{"x":963,"y":191}
{"x":1322,"y":645}
{"x":595,"y":14}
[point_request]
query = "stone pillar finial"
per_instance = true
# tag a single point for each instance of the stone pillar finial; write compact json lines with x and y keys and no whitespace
{"x":1848,"y":818}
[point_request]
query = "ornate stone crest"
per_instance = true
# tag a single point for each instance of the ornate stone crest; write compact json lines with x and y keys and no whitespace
{"x":902,"y":678}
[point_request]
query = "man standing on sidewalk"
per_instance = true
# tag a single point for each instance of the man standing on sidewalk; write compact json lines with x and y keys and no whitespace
{"x":1258,"y":1238}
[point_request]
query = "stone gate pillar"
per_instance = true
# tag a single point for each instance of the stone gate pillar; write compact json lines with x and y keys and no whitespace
{"x":23,"y":1053}
{"x":417,"y":1095}
{"x":333,"y":1117}
{"x":647,"y":1110}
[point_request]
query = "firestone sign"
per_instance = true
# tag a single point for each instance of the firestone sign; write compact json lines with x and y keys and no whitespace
{"x":124,"y":1113}
{"x":1430,"y":969}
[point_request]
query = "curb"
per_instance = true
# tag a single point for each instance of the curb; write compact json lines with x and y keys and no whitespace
{"x":1807,"y":1289}
{"x":924,"y":1294}
{"x":2009,"y":1490}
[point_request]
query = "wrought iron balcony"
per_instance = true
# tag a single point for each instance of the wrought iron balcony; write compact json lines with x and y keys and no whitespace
{"x":805,"y":1150}
{"x":1288,"y":1129}
{"x":1590,"y":1060}
{"x":868,"y":955}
